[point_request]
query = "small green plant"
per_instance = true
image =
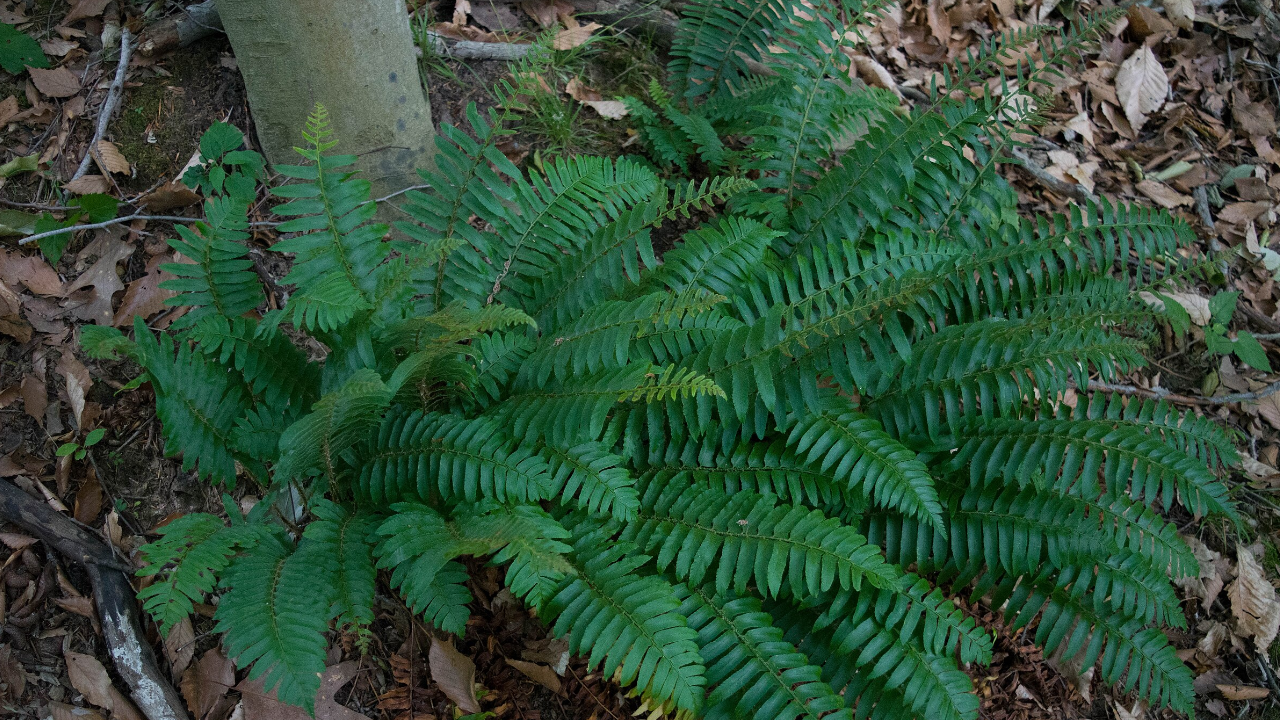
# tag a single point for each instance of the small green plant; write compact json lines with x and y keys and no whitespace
{"x":744,"y":477}
{"x":19,"y":51}
{"x":1222,"y":307}
{"x":78,"y":451}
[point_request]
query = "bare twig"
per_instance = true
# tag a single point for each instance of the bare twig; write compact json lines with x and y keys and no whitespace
{"x":1162,"y":394}
{"x":1071,"y":190}
{"x":397,"y":193}
{"x":35,"y":206}
{"x":108,"y":105}
{"x":125,"y":219}
{"x":112,"y":594}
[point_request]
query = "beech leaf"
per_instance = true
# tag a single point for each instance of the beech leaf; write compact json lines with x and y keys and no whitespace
{"x":1141,"y":86}
{"x":455,"y":674}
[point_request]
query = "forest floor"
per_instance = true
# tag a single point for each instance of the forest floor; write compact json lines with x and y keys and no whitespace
{"x":1176,"y":107}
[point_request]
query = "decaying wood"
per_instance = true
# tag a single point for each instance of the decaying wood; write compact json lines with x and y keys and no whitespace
{"x":180,"y":29}
{"x":112,"y":594}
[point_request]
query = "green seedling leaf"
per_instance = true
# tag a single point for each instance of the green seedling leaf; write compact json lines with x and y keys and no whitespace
{"x":53,"y":245}
{"x":220,"y":139}
{"x":66,"y":449}
{"x":93,"y":438}
{"x":1222,"y":306}
{"x":19,"y":50}
{"x":16,"y":222}
{"x":98,"y":207}
{"x":1251,"y":352}
{"x":20,"y":165}
{"x":1178,"y":317}
{"x":1215,"y":338}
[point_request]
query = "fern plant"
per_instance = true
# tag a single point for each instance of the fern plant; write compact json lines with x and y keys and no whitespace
{"x":710,"y":471}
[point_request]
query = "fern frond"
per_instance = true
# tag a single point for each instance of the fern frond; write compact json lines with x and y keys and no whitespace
{"x":593,"y":477}
{"x":219,"y":281}
{"x":337,"y":421}
{"x":345,"y":538}
{"x":269,"y":363}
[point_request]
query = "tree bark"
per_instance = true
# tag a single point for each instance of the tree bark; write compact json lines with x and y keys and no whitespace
{"x":356,"y":57}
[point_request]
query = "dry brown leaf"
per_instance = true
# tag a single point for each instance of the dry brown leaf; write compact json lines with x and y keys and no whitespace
{"x":461,"y":9}
{"x":1141,"y":86}
{"x":543,"y":12}
{"x":85,"y":9}
{"x":8,"y":108}
{"x":12,"y":675}
{"x":1197,"y":306}
{"x":78,"y":383}
{"x":144,"y":296}
{"x":30,"y":270}
{"x":35,"y":397}
{"x":90,"y":678}
{"x":169,"y":196}
{"x":58,"y":47}
{"x":572,"y":38}
{"x":206,"y":682}
{"x":875,"y":74}
{"x":58,"y":82}
{"x":1181,"y":12}
{"x":1081,"y":125}
{"x":1243,"y":692}
{"x":612,"y":109}
{"x":16,"y":541}
{"x":91,"y":292}
{"x":1239,"y":213}
{"x":1253,"y":601}
{"x":1163,"y":195}
{"x":87,"y":185}
{"x":180,"y":647}
{"x":263,"y":706}
{"x":110,"y":159}
{"x":540,"y":674}
{"x":63,"y":711}
{"x":455,"y":674}
{"x":939,"y":22}
{"x":88,"y":501}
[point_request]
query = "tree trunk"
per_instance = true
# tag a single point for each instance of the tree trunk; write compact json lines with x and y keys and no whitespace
{"x":356,"y":57}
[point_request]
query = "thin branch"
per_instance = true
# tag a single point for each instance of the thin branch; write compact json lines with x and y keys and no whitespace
{"x":1162,"y":394}
{"x":108,"y":105}
{"x":127,"y":218}
{"x":397,"y":193}
{"x":1071,"y":190}
{"x":35,"y":206}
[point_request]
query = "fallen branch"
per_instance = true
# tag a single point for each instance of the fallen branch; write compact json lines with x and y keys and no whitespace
{"x":472,"y":50}
{"x":1162,"y":394}
{"x":1057,"y":185}
{"x":112,"y":594}
{"x":180,"y":29}
{"x":108,"y":105}
{"x":124,"y":219}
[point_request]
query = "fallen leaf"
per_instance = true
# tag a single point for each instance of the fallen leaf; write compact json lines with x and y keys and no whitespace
{"x":1141,"y":86}
{"x":461,"y":9}
{"x":1145,"y":22}
{"x":8,"y":108}
{"x":1243,"y":692}
{"x":88,"y":185}
{"x":1134,"y":713}
{"x":85,"y":9}
{"x":612,"y":109}
{"x":58,"y":47}
{"x":1240,"y":213}
{"x":169,"y":196}
{"x":540,"y":674}
{"x":56,"y":83}
{"x":180,"y":647}
{"x":31,"y":271}
{"x":875,"y":74}
{"x":1253,"y":601}
{"x":543,"y":12}
{"x":1257,"y":470}
{"x":35,"y":397}
{"x":95,"y":304}
{"x":78,"y":383}
{"x":63,"y":711}
{"x":16,"y":541}
{"x":454,"y":673}
{"x":259,"y":705}
{"x":1163,"y":195}
{"x":939,"y":22}
{"x":88,"y":501}
{"x":206,"y":682}
{"x":572,"y":38}
{"x":144,"y":297}
{"x":1253,"y":118}
{"x":1181,"y":12}
{"x":90,"y":678}
{"x":110,"y":159}
{"x":81,"y":606}
{"x":1081,"y":125}
{"x":11,"y":674}
{"x":1216,"y":707}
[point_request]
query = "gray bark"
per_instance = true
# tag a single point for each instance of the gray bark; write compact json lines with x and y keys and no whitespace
{"x":356,"y":57}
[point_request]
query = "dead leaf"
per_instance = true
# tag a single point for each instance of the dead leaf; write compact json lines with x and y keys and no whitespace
{"x":88,"y":501}
{"x":1163,"y":195}
{"x":1181,"y":12}
{"x":939,"y":22}
{"x":58,"y":82}
{"x":875,"y":74}
{"x":85,"y":9}
{"x":12,"y":675}
{"x":16,"y":541}
{"x":1240,"y":213}
{"x":88,"y":185}
{"x":169,"y":196}
{"x":454,"y":673}
{"x":78,"y":382}
{"x":8,"y":108}
{"x":63,"y":711}
{"x":263,"y":706}
{"x":144,"y":296}
{"x":58,"y":47}
{"x":35,"y":397}
{"x":612,"y":109}
{"x":206,"y":682}
{"x":1141,"y":86}
{"x":1145,"y":22}
{"x":1253,"y":601}
{"x":1134,"y":713}
{"x":461,"y":9}
{"x":1258,"y":470}
{"x":31,"y":271}
{"x":540,"y":674}
{"x":1243,"y":692}
{"x":572,"y":38}
{"x":180,"y":647}
{"x":1197,"y":306}
{"x":110,"y":159}
{"x":1081,"y":125}
{"x":95,"y":304}
{"x":543,"y":12}
{"x":89,"y":678}
{"x":81,"y":606}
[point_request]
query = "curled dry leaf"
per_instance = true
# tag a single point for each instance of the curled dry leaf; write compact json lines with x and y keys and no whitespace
{"x":540,"y":674}
{"x":88,"y":185}
{"x":78,"y":382}
{"x":573,"y":37}
{"x":612,"y":109}
{"x":1243,"y":692}
{"x":110,"y":159}
{"x":1181,"y":12}
{"x":455,"y":674}
{"x":875,"y":74}
{"x":1141,"y":86}
{"x":90,"y":678}
{"x":58,"y":82}
{"x":1253,"y":601}
{"x":206,"y":682}
{"x":262,"y":706}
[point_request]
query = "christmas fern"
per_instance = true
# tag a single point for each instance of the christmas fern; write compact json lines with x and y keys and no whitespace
{"x":710,"y":470}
